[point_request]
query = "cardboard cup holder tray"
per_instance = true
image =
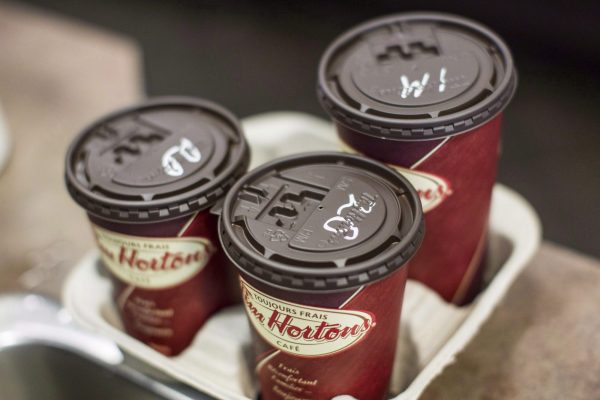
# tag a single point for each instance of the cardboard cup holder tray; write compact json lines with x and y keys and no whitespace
{"x":433,"y":332}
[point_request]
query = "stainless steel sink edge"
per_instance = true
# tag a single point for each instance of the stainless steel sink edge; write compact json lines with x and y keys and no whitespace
{"x":28,"y":321}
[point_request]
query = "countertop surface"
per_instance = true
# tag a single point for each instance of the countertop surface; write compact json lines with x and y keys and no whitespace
{"x":542,"y":342}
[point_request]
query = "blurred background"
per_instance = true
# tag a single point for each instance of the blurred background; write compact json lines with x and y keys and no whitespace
{"x":256,"y":56}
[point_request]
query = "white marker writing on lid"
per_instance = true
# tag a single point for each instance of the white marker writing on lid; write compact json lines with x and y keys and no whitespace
{"x":187,"y":150}
{"x":417,"y":87}
{"x":347,"y":223}
{"x":442,"y":80}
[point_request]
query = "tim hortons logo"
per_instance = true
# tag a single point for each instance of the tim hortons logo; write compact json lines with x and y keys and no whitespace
{"x":432,"y":189}
{"x":302,"y":330}
{"x":152,"y":263}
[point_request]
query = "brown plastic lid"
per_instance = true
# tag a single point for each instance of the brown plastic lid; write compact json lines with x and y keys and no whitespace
{"x":416,"y":76}
{"x":321,"y":222}
{"x":165,"y":158}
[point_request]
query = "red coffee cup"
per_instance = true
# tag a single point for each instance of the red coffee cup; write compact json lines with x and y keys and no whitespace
{"x":147,"y":176}
{"x":321,"y":242}
{"x":424,"y":93}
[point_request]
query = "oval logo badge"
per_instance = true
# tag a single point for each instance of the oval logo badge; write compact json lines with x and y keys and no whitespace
{"x":432,"y":189}
{"x":303,"y":330}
